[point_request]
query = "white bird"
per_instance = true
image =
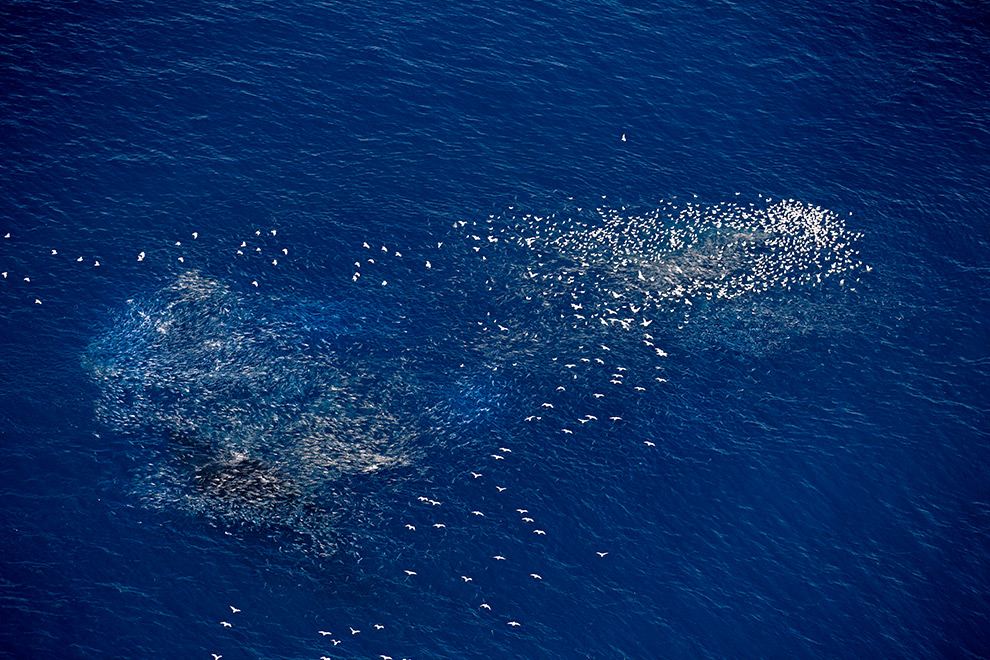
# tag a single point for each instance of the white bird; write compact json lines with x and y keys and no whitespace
{"x":410,"y":527}
{"x":225,"y":624}
{"x":325,"y":633}
{"x":475,"y":474}
{"x":439,"y":525}
{"x":649,"y":444}
{"x":514,"y":623}
{"x":466,"y":578}
{"x":429,"y":265}
{"x":535,"y":576}
{"x":216,"y":656}
{"x":195,"y":235}
{"x":505,"y":449}
{"x":601,"y":554}
{"x":141,"y":256}
{"x":408,"y":572}
{"x":522,"y":510}
{"x":486,"y":606}
{"x":233,"y":609}
{"x":623,"y":137}
{"x":500,"y":488}
{"x":478,"y":513}
{"x":379,"y":626}
{"x":540,"y":532}
{"x":499,"y":558}
{"x":353,"y":632}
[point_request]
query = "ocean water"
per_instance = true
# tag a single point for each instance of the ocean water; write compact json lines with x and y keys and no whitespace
{"x":471,"y":330}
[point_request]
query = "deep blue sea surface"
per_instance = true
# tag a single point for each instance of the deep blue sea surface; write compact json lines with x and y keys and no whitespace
{"x":488,"y":330}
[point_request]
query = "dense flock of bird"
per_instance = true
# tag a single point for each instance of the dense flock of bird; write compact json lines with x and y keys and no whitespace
{"x":605,"y":272}
{"x":612,"y":267}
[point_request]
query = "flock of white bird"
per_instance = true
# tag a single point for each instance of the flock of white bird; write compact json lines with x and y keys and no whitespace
{"x":600,"y":268}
